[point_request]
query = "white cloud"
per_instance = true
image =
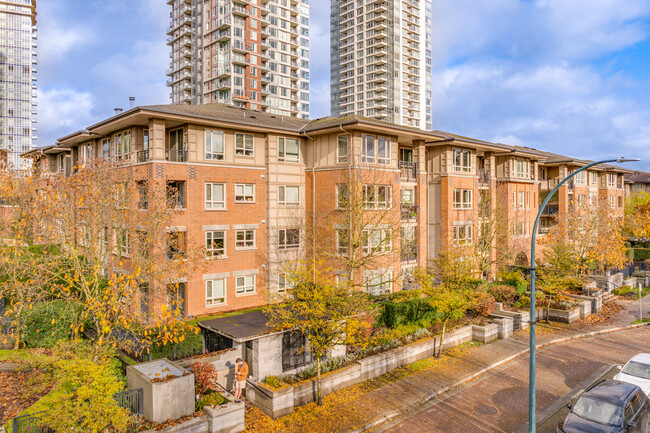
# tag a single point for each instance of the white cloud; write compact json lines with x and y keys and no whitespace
{"x":61,"y":112}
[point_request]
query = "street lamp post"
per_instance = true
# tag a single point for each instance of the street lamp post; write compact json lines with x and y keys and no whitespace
{"x":532,"y":423}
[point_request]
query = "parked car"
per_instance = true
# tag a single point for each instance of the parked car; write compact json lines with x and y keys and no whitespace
{"x":609,"y":406}
{"x":637,"y":371}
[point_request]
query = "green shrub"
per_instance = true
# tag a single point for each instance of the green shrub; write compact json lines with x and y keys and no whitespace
{"x":192,"y":345}
{"x":622,"y":291}
{"x":393,"y":314}
{"x":48,"y":323}
{"x":514,"y":279}
{"x":502,"y":292}
{"x":638,"y":254}
{"x":272,"y":381}
{"x":210,"y":399}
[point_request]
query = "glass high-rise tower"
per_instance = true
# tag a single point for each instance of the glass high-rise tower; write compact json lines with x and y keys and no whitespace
{"x":18,"y":43}
{"x":381,"y":60}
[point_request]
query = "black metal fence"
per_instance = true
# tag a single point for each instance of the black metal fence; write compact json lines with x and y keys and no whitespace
{"x":31,"y":423}
{"x":130,"y":399}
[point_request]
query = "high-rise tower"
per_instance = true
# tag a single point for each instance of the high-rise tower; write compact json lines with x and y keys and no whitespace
{"x":381,"y":60}
{"x":249,"y":53}
{"x":18,"y":43}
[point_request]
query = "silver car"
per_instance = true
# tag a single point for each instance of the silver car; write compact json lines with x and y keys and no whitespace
{"x":637,"y":372}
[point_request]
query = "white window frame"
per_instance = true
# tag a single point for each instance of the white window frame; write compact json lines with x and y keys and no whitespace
{"x":463,"y":198}
{"x":520,"y":168}
{"x":242,"y":195}
{"x":241,"y":148}
{"x":459,"y":162}
{"x":467,"y":232}
{"x":342,"y":248}
{"x":372,"y":191}
{"x":377,"y":241}
{"x":212,"y":204}
{"x":210,"y":299}
{"x":381,"y":287}
{"x":370,"y":149}
{"x":284,"y":282}
{"x":122,"y":249}
{"x":282,"y":192}
{"x":340,"y":156}
{"x":521,"y":199}
{"x":282,"y":150}
{"x":282,"y":233}
{"x":248,"y":243}
{"x":341,"y":189}
{"x":211,"y":146}
{"x":247,"y":284}
{"x":212,"y":253}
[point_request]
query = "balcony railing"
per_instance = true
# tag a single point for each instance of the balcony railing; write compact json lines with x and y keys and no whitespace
{"x":409,"y":252}
{"x":142,"y":156}
{"x":176,"y":155}
{"x":409,"y":211}
{"x":548,"y":184}
{"x":408,"y":170}
{"x":551,"y":209}
{"x":483,"y":177}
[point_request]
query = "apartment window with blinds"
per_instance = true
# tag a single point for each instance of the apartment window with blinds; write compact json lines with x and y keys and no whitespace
{"x":214,"y":145}
{"x":106,"y":148}
{"x":215,"y":196}
{"x":521,"y":168}
{"x":594,"y":178}
{"x":245,"y":193}
{"x":378,"y":282}
{"x":461,"y":160}
{"x":215,"y":244}
{"x":288,"y":149}
{"x":581,"y":178}
{"x":244,"y":239}
{"x":288,"y":239}
{"x":463,"y":198}
{"x":342,"y":196}
{"x":284,"y":282}
{"x":463,"y":234}
{"x":215,"y":292}
{"x":244,"y":145}
{"x":289,"y":195}
{"x":375,"y":149}
{"x":522,"y":199}
{"x":342,"y":241}
{"x":377,"y":241}
{"x":611,"y":179}
{"x":377,"y":196}
{"x":342,"y":149}
{"x":245,"y":284}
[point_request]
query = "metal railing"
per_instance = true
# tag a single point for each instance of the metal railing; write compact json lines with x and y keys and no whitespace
{"x":408,"y":170}
{"x":409,"y":211}
{"x":130,"y":399}
{"x":551,"y":209}
{"x":176,"y":155}
{"x":142,"y":155}
{"x":30,"y":423}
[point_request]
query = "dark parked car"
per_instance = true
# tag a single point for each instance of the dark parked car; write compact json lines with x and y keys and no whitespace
{"x":609,"y":406}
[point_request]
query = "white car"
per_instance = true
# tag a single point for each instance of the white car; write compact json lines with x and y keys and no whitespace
{"x":637,"y":371}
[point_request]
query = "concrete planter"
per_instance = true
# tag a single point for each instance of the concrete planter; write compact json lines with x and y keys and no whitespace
{"x":564,"y":316}
{"x":519,"y":319}
{"x":596,"y":302}
{"x":504,"y":325}
{"x":485,"y":334}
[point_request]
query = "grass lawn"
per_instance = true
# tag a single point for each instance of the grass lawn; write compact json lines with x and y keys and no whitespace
{"x":638,"y":321}
{"x":195,"y":322}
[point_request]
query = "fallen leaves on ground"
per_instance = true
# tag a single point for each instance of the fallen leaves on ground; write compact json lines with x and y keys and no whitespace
{"x":608,"y":311}
{"x":20,"y":389}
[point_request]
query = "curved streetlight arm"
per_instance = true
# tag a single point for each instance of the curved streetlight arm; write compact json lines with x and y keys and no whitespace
{"x":532,"y":423}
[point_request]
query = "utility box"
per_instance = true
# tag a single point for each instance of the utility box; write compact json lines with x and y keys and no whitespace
{"x":168,"y":390}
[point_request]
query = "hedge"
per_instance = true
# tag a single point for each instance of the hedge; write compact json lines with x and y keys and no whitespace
{"x":394,"y":314}
{"x":47,"y":323}
{"x":638,"y":254}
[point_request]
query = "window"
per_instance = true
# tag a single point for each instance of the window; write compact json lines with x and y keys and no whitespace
{"x":514,"y":200}
{"x":522,"y":199}
{"x":213,"y":145}
{"x":176,"y":298}
{"x":378,"y":147}
{"x":244,"y":144}
{"x":620,"y":201}
{"x":377,"y":196}
{"x":59,"y":162}
{"x":244,"y":239}
{"x":215,"y":197}
{"x":377,"y":241}
{"x":520,"y":229}
{"x":176,"y":245}
{"x":145,"y":139}
{"x":284,"y":282}
{"x":611,"y":179}
{"x":520,"y":167}
{"x":378,"y":282}
{"x":245,"y":284}
{"x":289,"y":195}
{"x":288,"y":239}
{"x":463,"y":198}
{"x":176,"y":150}
{"x":612,"y":201}
{"x":215,"y":292}
{"x":594,"y":178}
{"x":463,"y":234}
{"x":341,"y":196}
{"x":106,"y":148}
{"x":122,"y":144}
{"x":462,"y":160}
{"x":581,"y":178}
{"x":176,"y":194}
{"x":342,"y":241}
{"x":408,"y":196}
{"x":244,"y":193}
{"x":342,"y":149}
{"x":143,"y":195}
{"x":85,"y":152}
{"x":294,"y":351}
{"x":122,"y":242}
{"x":215,"y":244}
{"x":288,"y":149}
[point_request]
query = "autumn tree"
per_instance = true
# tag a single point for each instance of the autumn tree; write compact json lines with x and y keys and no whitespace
{"x":105,"y":245}
{"x":637,"y":215}
{"x":326,"y":313}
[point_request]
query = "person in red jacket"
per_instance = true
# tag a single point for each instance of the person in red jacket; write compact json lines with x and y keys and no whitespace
{"x":240,"y":378}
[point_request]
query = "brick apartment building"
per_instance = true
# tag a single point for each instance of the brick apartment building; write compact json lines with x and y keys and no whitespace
{"x":257,"y":190}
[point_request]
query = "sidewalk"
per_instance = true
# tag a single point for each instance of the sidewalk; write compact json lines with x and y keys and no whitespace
{"x":360,"y":407}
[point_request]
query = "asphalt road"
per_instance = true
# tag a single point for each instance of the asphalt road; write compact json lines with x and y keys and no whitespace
{"x":499,"y":402}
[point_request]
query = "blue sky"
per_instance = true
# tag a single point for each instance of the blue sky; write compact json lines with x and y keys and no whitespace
{"x":571,"y":77}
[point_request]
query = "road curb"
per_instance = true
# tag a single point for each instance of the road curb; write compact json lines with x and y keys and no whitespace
{"x":491,"y":367}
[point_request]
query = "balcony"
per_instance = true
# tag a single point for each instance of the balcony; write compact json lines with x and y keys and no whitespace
{"x":176,"y":155}
{"x":409,"y":252}
{"x":408,"y":171}
{"x":409,"y":211}
{"x":142,"y":156}
{"x":548,"y":184}
{"x":551,"y":210}
{"x":483,"y":178}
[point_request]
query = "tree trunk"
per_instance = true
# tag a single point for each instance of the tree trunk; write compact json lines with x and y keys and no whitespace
{"x":548,"y":309}
{"x":442,"y":338}
{"x":318,"y":382}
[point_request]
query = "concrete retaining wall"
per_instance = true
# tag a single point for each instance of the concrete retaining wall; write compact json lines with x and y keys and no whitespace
{"x":485,"y":334}
{"x":564,"y":316}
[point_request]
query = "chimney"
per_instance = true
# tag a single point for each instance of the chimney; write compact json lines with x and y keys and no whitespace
{"x":117,"y":111}
{"x":132,"y":101}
